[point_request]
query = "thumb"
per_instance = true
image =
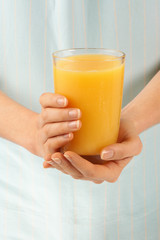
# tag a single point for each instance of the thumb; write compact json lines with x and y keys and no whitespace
{"x":129,"y":148}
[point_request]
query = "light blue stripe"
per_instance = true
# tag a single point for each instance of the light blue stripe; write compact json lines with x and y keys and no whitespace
{"x":29,"y":188}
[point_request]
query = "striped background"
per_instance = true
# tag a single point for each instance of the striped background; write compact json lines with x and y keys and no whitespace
{"x":45,"y":204}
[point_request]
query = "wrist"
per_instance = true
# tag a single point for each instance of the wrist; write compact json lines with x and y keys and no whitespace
{"x":128,"y":114}
{"x":31,"y":141}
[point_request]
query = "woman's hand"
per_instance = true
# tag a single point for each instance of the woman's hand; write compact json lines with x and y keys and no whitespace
{"x":113,"y":158}
{"x":56,"y":124}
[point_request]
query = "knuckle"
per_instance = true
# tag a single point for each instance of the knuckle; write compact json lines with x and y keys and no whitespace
{"x":44,"y":114}
{"x":47,"y":157}
{"x":49,"y":145}
{"x":98,"y":182}
{"x":46,"y":149}
{"x":41,"y":135}
{"x":120,"y":153}
{"x":42,"y":97}
{"x":63,"y":114}
{"x":65,"y":127}
{"x":58,"y":141}
{"x":115,"y":177}
{"x":113,"y":180}
{"x":138,"y":145}
{"x":90,"y":173}
{"x":61,"y":140}
{"x":39,"y":121}
{"x":46,"y":130}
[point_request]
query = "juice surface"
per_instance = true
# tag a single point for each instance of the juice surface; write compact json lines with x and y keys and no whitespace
{"x":94,"y":84}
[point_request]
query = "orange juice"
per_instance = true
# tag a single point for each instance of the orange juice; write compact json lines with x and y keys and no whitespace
{"x":94,"y":84}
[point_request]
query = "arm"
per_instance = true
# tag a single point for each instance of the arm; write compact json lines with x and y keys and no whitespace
{"x":17,"y":123}
{"x":43,"y":133}
{"x":144,"y":109}
{"x":140,"y":114}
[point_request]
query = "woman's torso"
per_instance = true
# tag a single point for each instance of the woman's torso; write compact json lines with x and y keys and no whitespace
{"x":45,"y":204}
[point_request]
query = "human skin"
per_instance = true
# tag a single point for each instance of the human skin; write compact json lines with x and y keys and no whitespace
{"x":39,"y":133}
{"x":140,"y":114}
{"x":45,"y":133}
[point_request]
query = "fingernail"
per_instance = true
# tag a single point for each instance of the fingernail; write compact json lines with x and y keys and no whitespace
{"x":62,"y":101}
{"x":75,"y":113}
{"x":107,"y":154}
{"x":68,"y":157}
{"x":68,"y":135}
{"x":57,"y":160}
{"x":74,"y":124}
{"x":50,"y":162}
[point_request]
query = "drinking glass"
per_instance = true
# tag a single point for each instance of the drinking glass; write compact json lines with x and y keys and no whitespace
{"x":92,"y":80}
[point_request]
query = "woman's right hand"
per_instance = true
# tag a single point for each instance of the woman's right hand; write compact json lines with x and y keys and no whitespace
{"x":56,"y":124}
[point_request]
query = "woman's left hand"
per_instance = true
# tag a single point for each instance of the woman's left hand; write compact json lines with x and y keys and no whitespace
{"x":106,"y":167}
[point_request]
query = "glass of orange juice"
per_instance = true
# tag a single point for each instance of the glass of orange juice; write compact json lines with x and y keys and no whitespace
{"x":92,"y":80}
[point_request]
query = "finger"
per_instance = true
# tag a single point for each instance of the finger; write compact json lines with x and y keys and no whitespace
{"x":55,"y":129}
{"x":98,"y":182}
{"x":89,"y":170}
{"x":116,"y":168}
{"x":53,"y":100}
{"x":49,"y":115}
{"x":59,"y":159}
{"x":54,"y":143}
{"x":123,"y":162}
{"x":85,"y":167}
{"x":128,"y":148}
{"x":49,"y":163}
{"x":108,"y":172}
{"x":47,"y":159}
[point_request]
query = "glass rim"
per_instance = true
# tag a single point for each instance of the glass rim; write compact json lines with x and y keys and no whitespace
{"x":54,"y":54}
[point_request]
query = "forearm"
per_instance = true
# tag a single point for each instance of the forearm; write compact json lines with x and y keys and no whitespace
{"x":144,"y":109}
{"x":17,"y":123}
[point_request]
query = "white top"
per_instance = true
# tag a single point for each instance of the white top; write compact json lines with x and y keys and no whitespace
{"x":44,"y":204}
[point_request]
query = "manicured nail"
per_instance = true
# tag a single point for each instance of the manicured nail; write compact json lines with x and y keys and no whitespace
{"x":68,"y":157}
{"x":74,"y":124}
{"x":61,"y":101}
{"x":75,"y":113}
{"x":107,"y":154}
{"x":68,"y":135}
{"x":50,"y":162}
{"x":57,"y":160}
